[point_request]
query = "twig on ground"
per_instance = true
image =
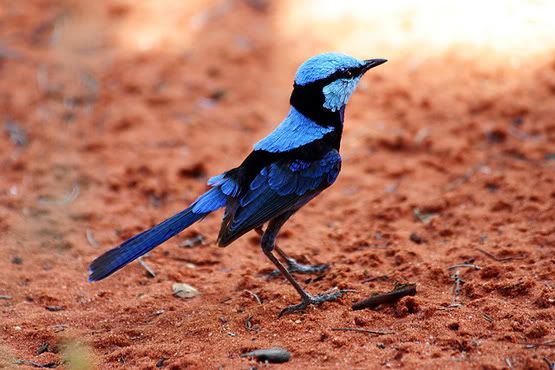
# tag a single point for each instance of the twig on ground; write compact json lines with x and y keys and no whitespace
{"x":249,"y":325}
{"x":90,"y":238}
{"x":456,"y":289}
{"x":487,"y":317}
{"x":254,"y":295}
{"x":192,"y":242}
{"x":549,"y":343}
{"x":376,"y":278}
{"x":48,"y":365}
{"x":509,"y":363}
{"x":550,"y":364}
{"x":469,"y":265}
{"x":397,"y":293}
{"x":501,"y":259}
{"x":5,"y":297}
{"x":148,"y":269}
{"x":362,"y":330}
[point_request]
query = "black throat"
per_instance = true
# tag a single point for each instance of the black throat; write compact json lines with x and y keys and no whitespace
{"x":309,"y":100}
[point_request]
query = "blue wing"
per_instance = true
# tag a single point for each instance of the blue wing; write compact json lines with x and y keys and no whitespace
{"x":278,"y":188}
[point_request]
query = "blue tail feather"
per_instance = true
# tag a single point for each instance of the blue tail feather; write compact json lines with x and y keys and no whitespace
{"x":138,"y":245}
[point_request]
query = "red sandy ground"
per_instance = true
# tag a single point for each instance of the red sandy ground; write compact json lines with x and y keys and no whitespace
{"x":470,"y":143}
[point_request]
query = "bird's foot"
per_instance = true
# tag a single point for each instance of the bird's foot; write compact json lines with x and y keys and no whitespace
{"x":313,"y":300}
{"x":295,"y":267}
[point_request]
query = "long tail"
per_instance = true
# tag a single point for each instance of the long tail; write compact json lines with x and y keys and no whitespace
{"x":138,"y":245}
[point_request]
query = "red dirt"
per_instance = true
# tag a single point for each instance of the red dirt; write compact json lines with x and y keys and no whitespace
{"x":470,"y":142}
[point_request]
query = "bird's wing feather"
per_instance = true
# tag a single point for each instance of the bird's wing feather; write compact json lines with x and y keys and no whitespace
{"x":278,"y":188}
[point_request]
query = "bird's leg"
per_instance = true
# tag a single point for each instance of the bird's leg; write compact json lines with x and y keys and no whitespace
{"x":267,"y":243}
{"x":292,"y":264}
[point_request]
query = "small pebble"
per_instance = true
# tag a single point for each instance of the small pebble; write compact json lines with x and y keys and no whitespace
{"x":55,"y":308}
{"x":183,"y":290}
{"x":414,"y":237}
{"x":274,"y":355}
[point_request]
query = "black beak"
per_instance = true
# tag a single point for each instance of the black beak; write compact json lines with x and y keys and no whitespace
{"x":371,"y":63}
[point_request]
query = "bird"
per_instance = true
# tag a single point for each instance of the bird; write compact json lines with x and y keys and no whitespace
{"x":284,"y":171}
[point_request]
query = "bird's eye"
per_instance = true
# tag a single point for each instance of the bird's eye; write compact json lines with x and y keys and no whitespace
{"x":349,"y":74}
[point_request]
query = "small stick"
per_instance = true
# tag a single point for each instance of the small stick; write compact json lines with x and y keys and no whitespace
{"x":148,"y":269}
{"x":255,"y":296}
{"x":549,"y":343}
{"x":452,"y":185}
{"x":487,"y":317}
{"x":550,"y":364}
{"x":362,"y":330}
{"x":90,"y":238}
{"x":469,"y":265}
{"x":389,"y":297}
{"x":456,"y":289}
{"x":376,"y":278}
{"x":249,"y":325}
{"x":5,"y":297}
{"x":509,"y":363}
{"x":49,"y":365}
{"x":192,"y":242}
{"x":501,"y":259}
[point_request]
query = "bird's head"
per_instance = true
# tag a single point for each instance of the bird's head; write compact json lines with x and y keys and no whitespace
{"x":330,"y":79}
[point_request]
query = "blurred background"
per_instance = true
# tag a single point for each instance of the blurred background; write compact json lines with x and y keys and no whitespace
{"x":114,"y":113}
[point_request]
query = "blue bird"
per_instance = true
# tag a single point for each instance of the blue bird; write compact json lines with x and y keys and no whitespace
{"x":286,"y":170}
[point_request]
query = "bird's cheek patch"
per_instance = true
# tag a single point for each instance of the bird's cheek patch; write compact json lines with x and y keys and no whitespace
{"x":338,"y":93}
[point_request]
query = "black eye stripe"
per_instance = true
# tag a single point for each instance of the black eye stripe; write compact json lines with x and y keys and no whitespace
{"x":342,"y":73}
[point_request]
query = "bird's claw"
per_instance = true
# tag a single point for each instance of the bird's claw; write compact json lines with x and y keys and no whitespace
{"x":313,"y":300}
{"x":295,"y":267}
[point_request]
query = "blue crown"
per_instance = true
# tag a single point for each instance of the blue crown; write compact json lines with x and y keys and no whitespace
{"x":324,"y":65}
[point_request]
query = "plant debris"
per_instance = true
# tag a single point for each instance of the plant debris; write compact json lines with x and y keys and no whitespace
{"x":469,"y":265}
{"x":425,"y":218}
{"x":255,"y":296}
{"x":362,"y":330}
{"x":501,"y":259}
{"x":457,"y":283}
{"x":147,"y":268}
{"x":398,"y":292}
{"x":45,"y":347}
{"x":16,"y":133}
{"x":192,"y":242}
{"x":48,"y":365}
